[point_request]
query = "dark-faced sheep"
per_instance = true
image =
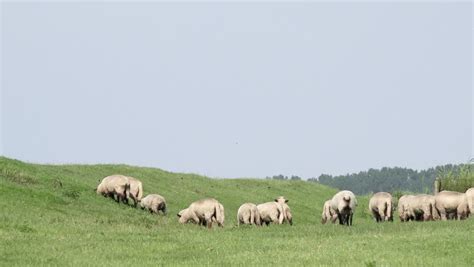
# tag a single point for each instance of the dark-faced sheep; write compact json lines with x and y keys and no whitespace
{"x":344,"y":203}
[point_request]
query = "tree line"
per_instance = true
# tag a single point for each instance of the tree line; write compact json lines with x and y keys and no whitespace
{"x":451,"y":177}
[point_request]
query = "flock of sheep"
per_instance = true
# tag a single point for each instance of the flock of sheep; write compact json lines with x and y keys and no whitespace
{"x":443,"y":205}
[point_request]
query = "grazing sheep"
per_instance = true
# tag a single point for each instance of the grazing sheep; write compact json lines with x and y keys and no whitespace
{"x":450,"y":201}
{"x":403,"y":211}
{"x":380,"y":205}
{"x":328,"y":213}
{"x":344,"y":203}
{"x":248,"y":214}
{"x":203,"y":212}
{"x":136,"y":190}
{"x":214,"y":219}
{"x":272,"y":212}
{"x":425,"y":208}
{"x":154,"y":203}
{"x":115,"y":186}
{"x":419,"y":207}
{"x":470,"y":199}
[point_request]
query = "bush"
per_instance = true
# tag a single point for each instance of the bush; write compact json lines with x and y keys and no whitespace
{"x":456,"y":179}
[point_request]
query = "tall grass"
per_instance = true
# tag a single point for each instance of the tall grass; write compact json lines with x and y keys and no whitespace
{"x":16,"y":176}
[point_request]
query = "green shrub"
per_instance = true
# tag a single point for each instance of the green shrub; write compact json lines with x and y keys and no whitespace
{"x":456,"y":179}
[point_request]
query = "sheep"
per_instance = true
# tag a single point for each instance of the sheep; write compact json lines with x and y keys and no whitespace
{"x":203,"y":212}
{"x":248,"y":214}
{"x":450,"y":201}
{"x":136,"y":190}
{"x":344,"y":203}
{"x":380,"y":205}
{"x":115,"y":186}
{"x":154,"y":203}
{"x":271,"y":212}
{"x":328,"y":213}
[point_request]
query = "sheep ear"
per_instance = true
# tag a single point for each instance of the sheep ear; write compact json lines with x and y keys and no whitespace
{"x":179,"y":215}
{"x":286,"y":200}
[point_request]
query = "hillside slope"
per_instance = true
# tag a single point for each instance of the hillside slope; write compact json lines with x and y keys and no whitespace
{"x":51,"y":215}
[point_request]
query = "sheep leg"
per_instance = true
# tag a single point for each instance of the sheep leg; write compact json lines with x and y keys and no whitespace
{"x":247,"y":220}
{"x":195,"y":218}
{"x":442,"y":213}
{"x":382,"y":213}
{"x":208,"y":219}
{"x":118,"y":197}
{"x":376,"y":215}
{"x":427,"y":213}
{"x":339,"y":216}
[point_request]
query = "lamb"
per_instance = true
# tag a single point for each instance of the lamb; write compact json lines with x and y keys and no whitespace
{"x":154,"y":203}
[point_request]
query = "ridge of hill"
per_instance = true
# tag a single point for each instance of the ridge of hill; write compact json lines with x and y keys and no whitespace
{"x":50,"y":215}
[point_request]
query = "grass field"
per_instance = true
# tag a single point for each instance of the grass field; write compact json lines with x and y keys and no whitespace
{"x":51,"y":216}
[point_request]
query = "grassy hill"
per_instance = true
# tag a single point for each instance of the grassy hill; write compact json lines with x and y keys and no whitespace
{"x":50,"y":215}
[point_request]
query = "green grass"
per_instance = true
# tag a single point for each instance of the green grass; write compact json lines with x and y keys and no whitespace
{"x":51,"y":216}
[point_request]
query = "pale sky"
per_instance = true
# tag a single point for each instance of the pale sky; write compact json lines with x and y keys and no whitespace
{"x":238,"y":89}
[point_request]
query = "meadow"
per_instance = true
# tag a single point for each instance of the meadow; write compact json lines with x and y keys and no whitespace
{"x":50,"y":215}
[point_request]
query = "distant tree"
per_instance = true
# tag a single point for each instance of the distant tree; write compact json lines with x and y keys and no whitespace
{"x":385,"y":179}
{"x":280,"y":177}
{"x":396,"y":179}
{"x":295,"y":178}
